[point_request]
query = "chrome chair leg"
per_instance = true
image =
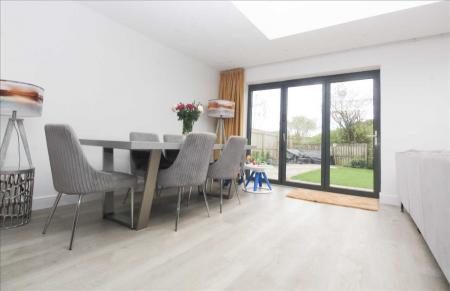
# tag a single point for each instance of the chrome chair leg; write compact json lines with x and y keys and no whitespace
{"x":55,"y":204}
{"x":126,"y":197}
{"x":205,"y":186}
{"x":189,"y":196}
{"x":221,"y":195}
{"x":158,"y":192}
{"x":206,"y":201}
{"x":132,"y":208}
{"x":75,"y":221}
{"x":178,"y":208}
{"x":237,"y":191}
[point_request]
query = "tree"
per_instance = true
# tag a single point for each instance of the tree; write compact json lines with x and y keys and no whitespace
{"x":301,"y":126}
{"x":348,"y":112}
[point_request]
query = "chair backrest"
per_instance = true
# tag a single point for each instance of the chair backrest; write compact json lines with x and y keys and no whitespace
{"x":173,"y":138}
{"x":191,"y":165}
{"x":139,"y":159}
{"x":71,"y":172}
{"x":171,"y":155}
{"x":231,"y":158}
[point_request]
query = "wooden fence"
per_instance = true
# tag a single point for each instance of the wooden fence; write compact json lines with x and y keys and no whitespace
{"x":342,"y":154}
{"x":266,"y":142}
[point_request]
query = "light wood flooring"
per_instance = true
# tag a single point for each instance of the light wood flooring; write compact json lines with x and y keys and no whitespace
{"x":269,"y":242}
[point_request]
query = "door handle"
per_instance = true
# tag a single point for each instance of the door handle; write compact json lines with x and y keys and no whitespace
{"x":375,"y":137}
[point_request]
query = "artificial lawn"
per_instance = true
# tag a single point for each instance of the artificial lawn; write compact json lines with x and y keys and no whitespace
{"x":341,"y":176}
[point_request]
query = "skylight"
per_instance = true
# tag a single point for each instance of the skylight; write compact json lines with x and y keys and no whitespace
{"x":277,"y":19}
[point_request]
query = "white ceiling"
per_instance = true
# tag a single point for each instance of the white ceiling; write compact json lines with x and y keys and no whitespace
{"x":219,"y":35}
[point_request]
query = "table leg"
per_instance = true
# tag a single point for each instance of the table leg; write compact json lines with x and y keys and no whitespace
{"x":267,"y":181}
{"x":249,"y":178}
{"x":108,"y":165}
{"x":256,"y":182}
{"x":149,"y":190}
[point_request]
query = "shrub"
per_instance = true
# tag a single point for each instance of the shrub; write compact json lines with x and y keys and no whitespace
{"x":260,"y":157}
{"x":358,"y":163}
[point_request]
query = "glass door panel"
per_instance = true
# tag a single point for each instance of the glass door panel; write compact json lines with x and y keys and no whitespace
{"x":352,"y":135}
{"x":265,"y":128}
{"x":304,"y":134}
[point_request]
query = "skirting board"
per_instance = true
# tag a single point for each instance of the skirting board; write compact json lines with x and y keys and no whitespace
{"x":47,"y":201}
{"x":389,"y":199}
{"x":43,"y":202}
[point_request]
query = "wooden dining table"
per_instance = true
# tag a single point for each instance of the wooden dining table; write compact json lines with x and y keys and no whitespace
{"x":155,"y":149}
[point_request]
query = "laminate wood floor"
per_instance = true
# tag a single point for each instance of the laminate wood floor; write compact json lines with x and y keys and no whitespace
{"x":269,"y":242}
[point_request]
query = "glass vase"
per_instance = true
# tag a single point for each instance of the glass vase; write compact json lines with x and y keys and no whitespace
{"x":187,"y":126}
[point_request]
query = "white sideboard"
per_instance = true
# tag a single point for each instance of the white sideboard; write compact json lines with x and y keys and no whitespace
{"x":423,"y":184}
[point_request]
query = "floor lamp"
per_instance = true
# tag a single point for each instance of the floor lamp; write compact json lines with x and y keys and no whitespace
{"x":221,"y":109}
{"x":18,"y":100}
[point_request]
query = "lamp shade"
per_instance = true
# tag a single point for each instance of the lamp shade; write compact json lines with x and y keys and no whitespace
{"x":220,"y":108}
{"x":26,"y":99}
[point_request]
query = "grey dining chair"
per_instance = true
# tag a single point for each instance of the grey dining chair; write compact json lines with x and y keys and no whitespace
{"x":190,"y":167}
{"x":73,"y":175}
{"x":171,"y":155}
{"x":229,"y":165}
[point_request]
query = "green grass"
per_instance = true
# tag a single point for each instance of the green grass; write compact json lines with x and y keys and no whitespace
{"x":341,"y":176}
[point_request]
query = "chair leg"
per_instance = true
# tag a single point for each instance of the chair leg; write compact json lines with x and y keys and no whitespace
{"x":55,"y":204}
{"x":221,"y":195}
{"x":132,"y":208}
{"x":189,"y":196}
{"x":204,"y":197}
{"x":75,"y":221}
{"x":205,"y":186}
{"x":237,"y":191}
{"x":158,"y":192}
{"x":178,"y":208}
{"x":126,"y":197}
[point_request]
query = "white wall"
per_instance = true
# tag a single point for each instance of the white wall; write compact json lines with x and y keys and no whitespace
{"x":415,"y":98}
{"x":100,"y":77}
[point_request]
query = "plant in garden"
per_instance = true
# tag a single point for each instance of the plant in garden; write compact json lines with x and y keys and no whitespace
{"x":358,"y":163}
{"x":188,"y":113}
{"x":257,"y":158}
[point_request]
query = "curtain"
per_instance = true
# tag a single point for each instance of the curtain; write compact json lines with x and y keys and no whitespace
{"x":232,"y":88}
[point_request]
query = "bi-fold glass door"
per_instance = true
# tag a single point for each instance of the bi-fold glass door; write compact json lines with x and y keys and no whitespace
{"x":320,"y":133}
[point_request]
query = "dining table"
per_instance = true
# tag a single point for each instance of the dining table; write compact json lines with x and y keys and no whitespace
{"x":155,"y":149}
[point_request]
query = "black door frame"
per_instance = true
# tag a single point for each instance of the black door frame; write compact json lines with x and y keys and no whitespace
{"x":325,"y":81}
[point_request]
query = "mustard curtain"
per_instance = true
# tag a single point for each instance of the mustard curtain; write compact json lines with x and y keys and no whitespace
{"x":231,"y":88}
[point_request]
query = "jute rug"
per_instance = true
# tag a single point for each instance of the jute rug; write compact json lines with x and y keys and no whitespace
{"x":335,"y":199}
